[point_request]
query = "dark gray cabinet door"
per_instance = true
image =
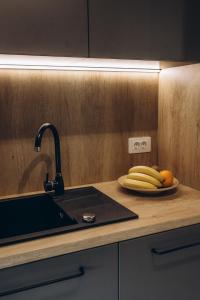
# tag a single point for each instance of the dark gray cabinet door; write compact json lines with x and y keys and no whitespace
{"x":44,"y":27}
{"x":137,"y":29}
{"x":162,"y":266}
{"x":192,"y":30}
{"x":61,"y":278}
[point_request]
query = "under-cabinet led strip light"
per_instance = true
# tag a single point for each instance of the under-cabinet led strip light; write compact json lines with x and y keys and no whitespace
{"x":76,"y":64}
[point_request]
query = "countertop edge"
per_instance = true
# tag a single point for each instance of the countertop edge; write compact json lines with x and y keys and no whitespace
{"x":62,"y":249}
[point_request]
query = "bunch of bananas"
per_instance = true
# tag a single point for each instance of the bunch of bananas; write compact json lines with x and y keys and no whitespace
{"x":143,"y":177}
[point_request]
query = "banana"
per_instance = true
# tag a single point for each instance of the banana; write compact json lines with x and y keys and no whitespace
{"x":148,"y":171}
{"x":131,"y":183}
{"x":145,"y":178}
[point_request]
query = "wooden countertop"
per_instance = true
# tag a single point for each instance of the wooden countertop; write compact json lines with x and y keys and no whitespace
{"x":156,"y":214}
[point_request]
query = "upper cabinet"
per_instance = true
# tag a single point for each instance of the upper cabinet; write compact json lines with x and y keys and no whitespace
{"x":44,"y":27}
{"x":192,"y":30}
{"x":142,"y":29}
{"x":126,"y":29}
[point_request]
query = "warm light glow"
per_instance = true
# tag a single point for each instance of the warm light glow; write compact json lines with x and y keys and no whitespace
{"x":76,"y":64}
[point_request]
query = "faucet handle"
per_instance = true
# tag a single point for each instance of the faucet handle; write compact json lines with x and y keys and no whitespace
{"x":48,"y":184}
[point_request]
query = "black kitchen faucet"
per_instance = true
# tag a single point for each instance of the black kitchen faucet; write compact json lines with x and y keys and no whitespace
{"x":57,"y":184}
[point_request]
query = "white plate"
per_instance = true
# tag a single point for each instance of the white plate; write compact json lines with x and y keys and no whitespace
{"x":148,"y":191}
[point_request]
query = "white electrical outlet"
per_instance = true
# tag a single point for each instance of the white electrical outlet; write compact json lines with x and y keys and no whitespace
{"x":139,"y":144}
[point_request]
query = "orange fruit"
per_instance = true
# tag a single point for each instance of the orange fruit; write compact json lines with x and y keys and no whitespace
{"x":168,"y":178}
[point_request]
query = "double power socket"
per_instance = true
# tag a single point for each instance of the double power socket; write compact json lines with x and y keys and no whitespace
{"x":139,"y":144}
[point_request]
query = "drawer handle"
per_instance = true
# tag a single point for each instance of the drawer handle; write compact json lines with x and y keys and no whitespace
{"x":80,"y":273}
{"x":166,"y":251}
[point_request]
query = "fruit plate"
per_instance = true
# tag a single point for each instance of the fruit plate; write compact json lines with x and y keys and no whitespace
{"x":148,"y":191}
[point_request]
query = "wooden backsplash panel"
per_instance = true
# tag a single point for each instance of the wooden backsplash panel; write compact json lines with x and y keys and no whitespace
{"x":94,"y":112}
{"x":179,"y":123}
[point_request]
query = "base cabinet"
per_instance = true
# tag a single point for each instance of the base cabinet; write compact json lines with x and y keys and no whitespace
{"x":85,"y":275}
{"x":162,"y":266}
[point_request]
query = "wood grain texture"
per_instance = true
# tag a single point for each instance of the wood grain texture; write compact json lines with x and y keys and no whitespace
{"x":164,"y":64}
{"x":156,"y":214}
{"x":95,"y":113}
{"x":179,"y":123}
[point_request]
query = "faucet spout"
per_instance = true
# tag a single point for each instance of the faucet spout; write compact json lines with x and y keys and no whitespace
{"x":57,"y":184}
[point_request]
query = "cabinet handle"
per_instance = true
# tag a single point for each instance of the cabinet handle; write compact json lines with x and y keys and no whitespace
{"x":80,"y":273}
{"x":166,"y":251}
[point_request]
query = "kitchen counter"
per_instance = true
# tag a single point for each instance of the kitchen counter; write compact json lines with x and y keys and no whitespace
{"x":156,"y":214}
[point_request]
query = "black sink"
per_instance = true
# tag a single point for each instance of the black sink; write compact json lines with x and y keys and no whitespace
{"x":31,"y":214}
{"x":43,"y":215}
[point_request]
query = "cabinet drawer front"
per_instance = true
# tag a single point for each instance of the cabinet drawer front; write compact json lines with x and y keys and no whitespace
{"x":90,"y":274}
{"x":161,"y":266}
